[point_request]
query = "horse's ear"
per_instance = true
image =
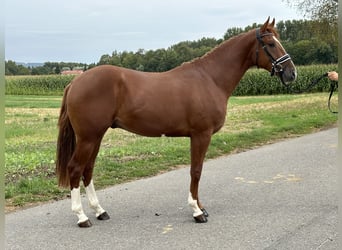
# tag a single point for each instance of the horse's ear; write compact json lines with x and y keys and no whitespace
{"x":273,"y":22}
{"x":264,"y":27}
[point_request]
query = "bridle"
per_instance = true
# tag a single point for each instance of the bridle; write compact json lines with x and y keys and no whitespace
{"x":276,"y":63}
{"x":278,"y":68}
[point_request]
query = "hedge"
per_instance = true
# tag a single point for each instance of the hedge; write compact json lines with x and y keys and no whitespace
{"x":254,"y":82}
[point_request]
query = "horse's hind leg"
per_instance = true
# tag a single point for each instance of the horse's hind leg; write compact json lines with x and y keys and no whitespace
{"x":80,"y":160}
{"x":101,"y":214}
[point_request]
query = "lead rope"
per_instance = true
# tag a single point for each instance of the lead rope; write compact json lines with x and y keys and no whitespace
{"x":333,"y":87}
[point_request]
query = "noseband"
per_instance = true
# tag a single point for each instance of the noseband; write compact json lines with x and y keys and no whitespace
{"x":276,"y":63}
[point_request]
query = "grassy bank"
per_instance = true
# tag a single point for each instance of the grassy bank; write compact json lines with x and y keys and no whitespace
{"x":31,"y":132}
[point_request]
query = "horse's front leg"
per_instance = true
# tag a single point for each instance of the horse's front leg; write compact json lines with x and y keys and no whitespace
{"x":199,"y":146}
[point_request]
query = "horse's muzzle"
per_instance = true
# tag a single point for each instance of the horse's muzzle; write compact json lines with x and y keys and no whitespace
{"x":288,"y":73}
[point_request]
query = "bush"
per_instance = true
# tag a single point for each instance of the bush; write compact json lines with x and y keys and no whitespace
{"x":254,"y":82}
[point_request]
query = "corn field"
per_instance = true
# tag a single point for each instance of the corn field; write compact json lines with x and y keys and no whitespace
{"x":254,"y":82}
{"x":37,"y":85}
{"x":259,"y":82}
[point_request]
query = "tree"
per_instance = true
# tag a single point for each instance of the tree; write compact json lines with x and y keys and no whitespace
{"x":57,"y":70}
{"x":323,"y":12}
{"x":295,"y":30}
{"x":129,"y":60}
{"x":11,"y":68}
{"x":300,"y":38}
{"x":105,"y":59}
{"x":316,"y":9}
{"x":232,"y":32}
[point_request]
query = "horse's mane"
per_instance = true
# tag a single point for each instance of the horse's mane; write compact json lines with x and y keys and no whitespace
{"x":269,"y":29}
{"x":211,"y":51}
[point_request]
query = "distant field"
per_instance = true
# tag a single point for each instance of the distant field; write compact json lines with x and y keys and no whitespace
{"x":31,"y":132}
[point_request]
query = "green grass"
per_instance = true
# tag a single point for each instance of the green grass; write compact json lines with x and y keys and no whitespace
{"x":32,"y":101}
{"x":31,"y":132}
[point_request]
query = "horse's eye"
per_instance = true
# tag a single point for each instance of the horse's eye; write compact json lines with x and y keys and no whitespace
{"x":272,"y":45}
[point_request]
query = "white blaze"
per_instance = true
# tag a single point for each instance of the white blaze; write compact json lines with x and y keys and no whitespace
{"x":280,"y":45}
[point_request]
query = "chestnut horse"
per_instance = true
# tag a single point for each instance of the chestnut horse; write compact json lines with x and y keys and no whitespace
{"x":189,"y":101}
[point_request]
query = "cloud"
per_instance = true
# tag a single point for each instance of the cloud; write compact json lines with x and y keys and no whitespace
{"x":80,"y":30}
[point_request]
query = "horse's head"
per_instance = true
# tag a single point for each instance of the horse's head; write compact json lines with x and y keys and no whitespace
{"x":271,"y":55}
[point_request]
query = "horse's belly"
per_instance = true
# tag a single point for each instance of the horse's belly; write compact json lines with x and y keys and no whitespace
{"x":169,"y":124}
{"x":153,"y":128}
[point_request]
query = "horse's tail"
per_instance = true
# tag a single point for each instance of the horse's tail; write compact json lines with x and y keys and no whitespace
{"x":65,"y":143}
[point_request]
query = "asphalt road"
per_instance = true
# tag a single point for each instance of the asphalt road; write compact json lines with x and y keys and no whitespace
{"x":279,"y":196}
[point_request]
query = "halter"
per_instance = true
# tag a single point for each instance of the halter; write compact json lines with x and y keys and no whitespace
{"x":276,"y":63}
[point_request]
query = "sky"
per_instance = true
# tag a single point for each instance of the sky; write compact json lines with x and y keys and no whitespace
{"x":84,"y":30}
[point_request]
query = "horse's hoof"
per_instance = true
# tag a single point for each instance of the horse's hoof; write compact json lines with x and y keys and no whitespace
{"x":86,"y":223}
{"x":103,"y":216}
{"x":201,"y":219}
{"x":205,"y":213}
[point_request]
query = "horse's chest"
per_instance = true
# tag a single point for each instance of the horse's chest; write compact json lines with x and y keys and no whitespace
{"x":219,"y":120}
{"x":211,"y":117}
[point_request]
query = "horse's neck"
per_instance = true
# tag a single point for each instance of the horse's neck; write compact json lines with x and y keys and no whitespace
{"x":227,"y":63}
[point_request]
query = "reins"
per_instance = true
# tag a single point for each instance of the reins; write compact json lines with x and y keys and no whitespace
{"x":333,"y":87}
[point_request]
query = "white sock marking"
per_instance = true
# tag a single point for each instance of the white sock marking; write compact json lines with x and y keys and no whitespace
{"x":193,"y":204}
{"x":93,"y":201}
{"x":76,"y":205}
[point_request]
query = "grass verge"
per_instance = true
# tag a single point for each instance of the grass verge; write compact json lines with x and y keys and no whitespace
{"x":31,"y":132}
